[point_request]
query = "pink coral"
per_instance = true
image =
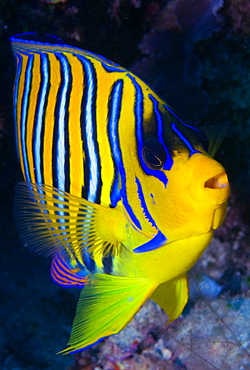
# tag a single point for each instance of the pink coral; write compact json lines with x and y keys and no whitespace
{"x":198,"y":17}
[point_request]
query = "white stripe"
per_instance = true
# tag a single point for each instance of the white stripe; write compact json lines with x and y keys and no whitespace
{"x":61,"y":123}
{"x":15,"y":98}
{"x":39,"y":120}
{"x":93,"y":181}
{"x":24,"y":116}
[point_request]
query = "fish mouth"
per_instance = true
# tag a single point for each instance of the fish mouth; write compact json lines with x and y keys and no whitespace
{"x":217,"y":189}
{"x":213,"y":191}
{"x":219,"y":181}
{"x":208,"y":181}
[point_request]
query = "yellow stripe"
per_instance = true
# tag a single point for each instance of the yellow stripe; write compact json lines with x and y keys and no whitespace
{"x":127,"y":134}
{"x":127,"y":131}
{"x":55,"y":79}
{"x":105,"y":81}
{"x":75,"y":140}
{"x":33,"y":97}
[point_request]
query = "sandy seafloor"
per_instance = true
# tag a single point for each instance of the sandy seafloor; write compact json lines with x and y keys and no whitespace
{"x":203,"y":71}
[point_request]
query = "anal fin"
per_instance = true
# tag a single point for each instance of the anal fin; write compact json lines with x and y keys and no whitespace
{"x":65,"y":275}
{"x":172,"y":296}
{"x":106,"y":305}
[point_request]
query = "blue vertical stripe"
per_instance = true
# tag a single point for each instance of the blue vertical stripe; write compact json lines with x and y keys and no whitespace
{"x":113,"y":134}
{"x":169,"y":162}
{"x":89,"y":123}
{"x":114,"y":111}
{"x":25,"y":100}
{"x":60,"y":155}
{"x":15,"y":97}
{"x":175,"y":115}
{"x":40,"y":118}
{"x":185,"y":140}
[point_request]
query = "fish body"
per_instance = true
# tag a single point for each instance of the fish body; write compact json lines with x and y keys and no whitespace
{"x":118,"y":189}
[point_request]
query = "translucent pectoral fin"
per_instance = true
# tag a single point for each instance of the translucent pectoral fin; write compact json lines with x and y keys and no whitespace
{"x":50,"y":220}
{"x":172,"y":296}
{"x":106,"y":305}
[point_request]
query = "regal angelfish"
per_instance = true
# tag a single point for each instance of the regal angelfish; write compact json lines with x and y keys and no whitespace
{"x":118,"y":189}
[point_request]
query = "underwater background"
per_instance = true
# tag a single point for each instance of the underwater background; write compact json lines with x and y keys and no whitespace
{"x":196,"y":55}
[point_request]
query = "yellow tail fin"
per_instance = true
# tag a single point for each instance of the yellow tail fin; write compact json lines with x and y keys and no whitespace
{"x":107,"y":304}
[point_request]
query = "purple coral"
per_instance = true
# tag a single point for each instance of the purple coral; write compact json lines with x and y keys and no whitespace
{"x":238,"y":12}
{"x":196,"y":19}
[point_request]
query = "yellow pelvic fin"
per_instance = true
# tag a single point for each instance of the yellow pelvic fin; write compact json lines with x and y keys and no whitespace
{"x":172,"y":296}
{"x":52,"y":220}
{"x":107,"y":304}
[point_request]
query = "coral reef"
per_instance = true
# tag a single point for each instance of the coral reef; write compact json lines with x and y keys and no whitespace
{"x":238,"y":11}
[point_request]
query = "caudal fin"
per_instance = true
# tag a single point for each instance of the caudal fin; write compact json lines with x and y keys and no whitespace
{"x":107,"y":304}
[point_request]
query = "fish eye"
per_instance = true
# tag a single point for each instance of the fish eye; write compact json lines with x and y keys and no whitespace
{"x":154,"y":154}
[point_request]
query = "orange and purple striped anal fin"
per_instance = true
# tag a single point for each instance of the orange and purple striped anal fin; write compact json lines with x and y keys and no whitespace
{"x":64,"y":275}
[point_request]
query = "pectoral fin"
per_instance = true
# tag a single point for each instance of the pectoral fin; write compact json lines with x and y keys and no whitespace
{"x":51,"y":221}
{"x":172,"y":296}
{"x":106,"y":305}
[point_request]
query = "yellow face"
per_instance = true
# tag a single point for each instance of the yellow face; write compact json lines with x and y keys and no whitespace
{"x":186,"y":211}
{"x":173,"y":185}
{"x":194,"y":199}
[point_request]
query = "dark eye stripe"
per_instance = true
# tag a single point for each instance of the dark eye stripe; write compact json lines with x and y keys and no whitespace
{"x":160,"y":125}
{"x":138,"y":111}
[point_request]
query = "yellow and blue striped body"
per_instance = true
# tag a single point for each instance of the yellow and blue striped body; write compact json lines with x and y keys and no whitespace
{"x":116,"y":183}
